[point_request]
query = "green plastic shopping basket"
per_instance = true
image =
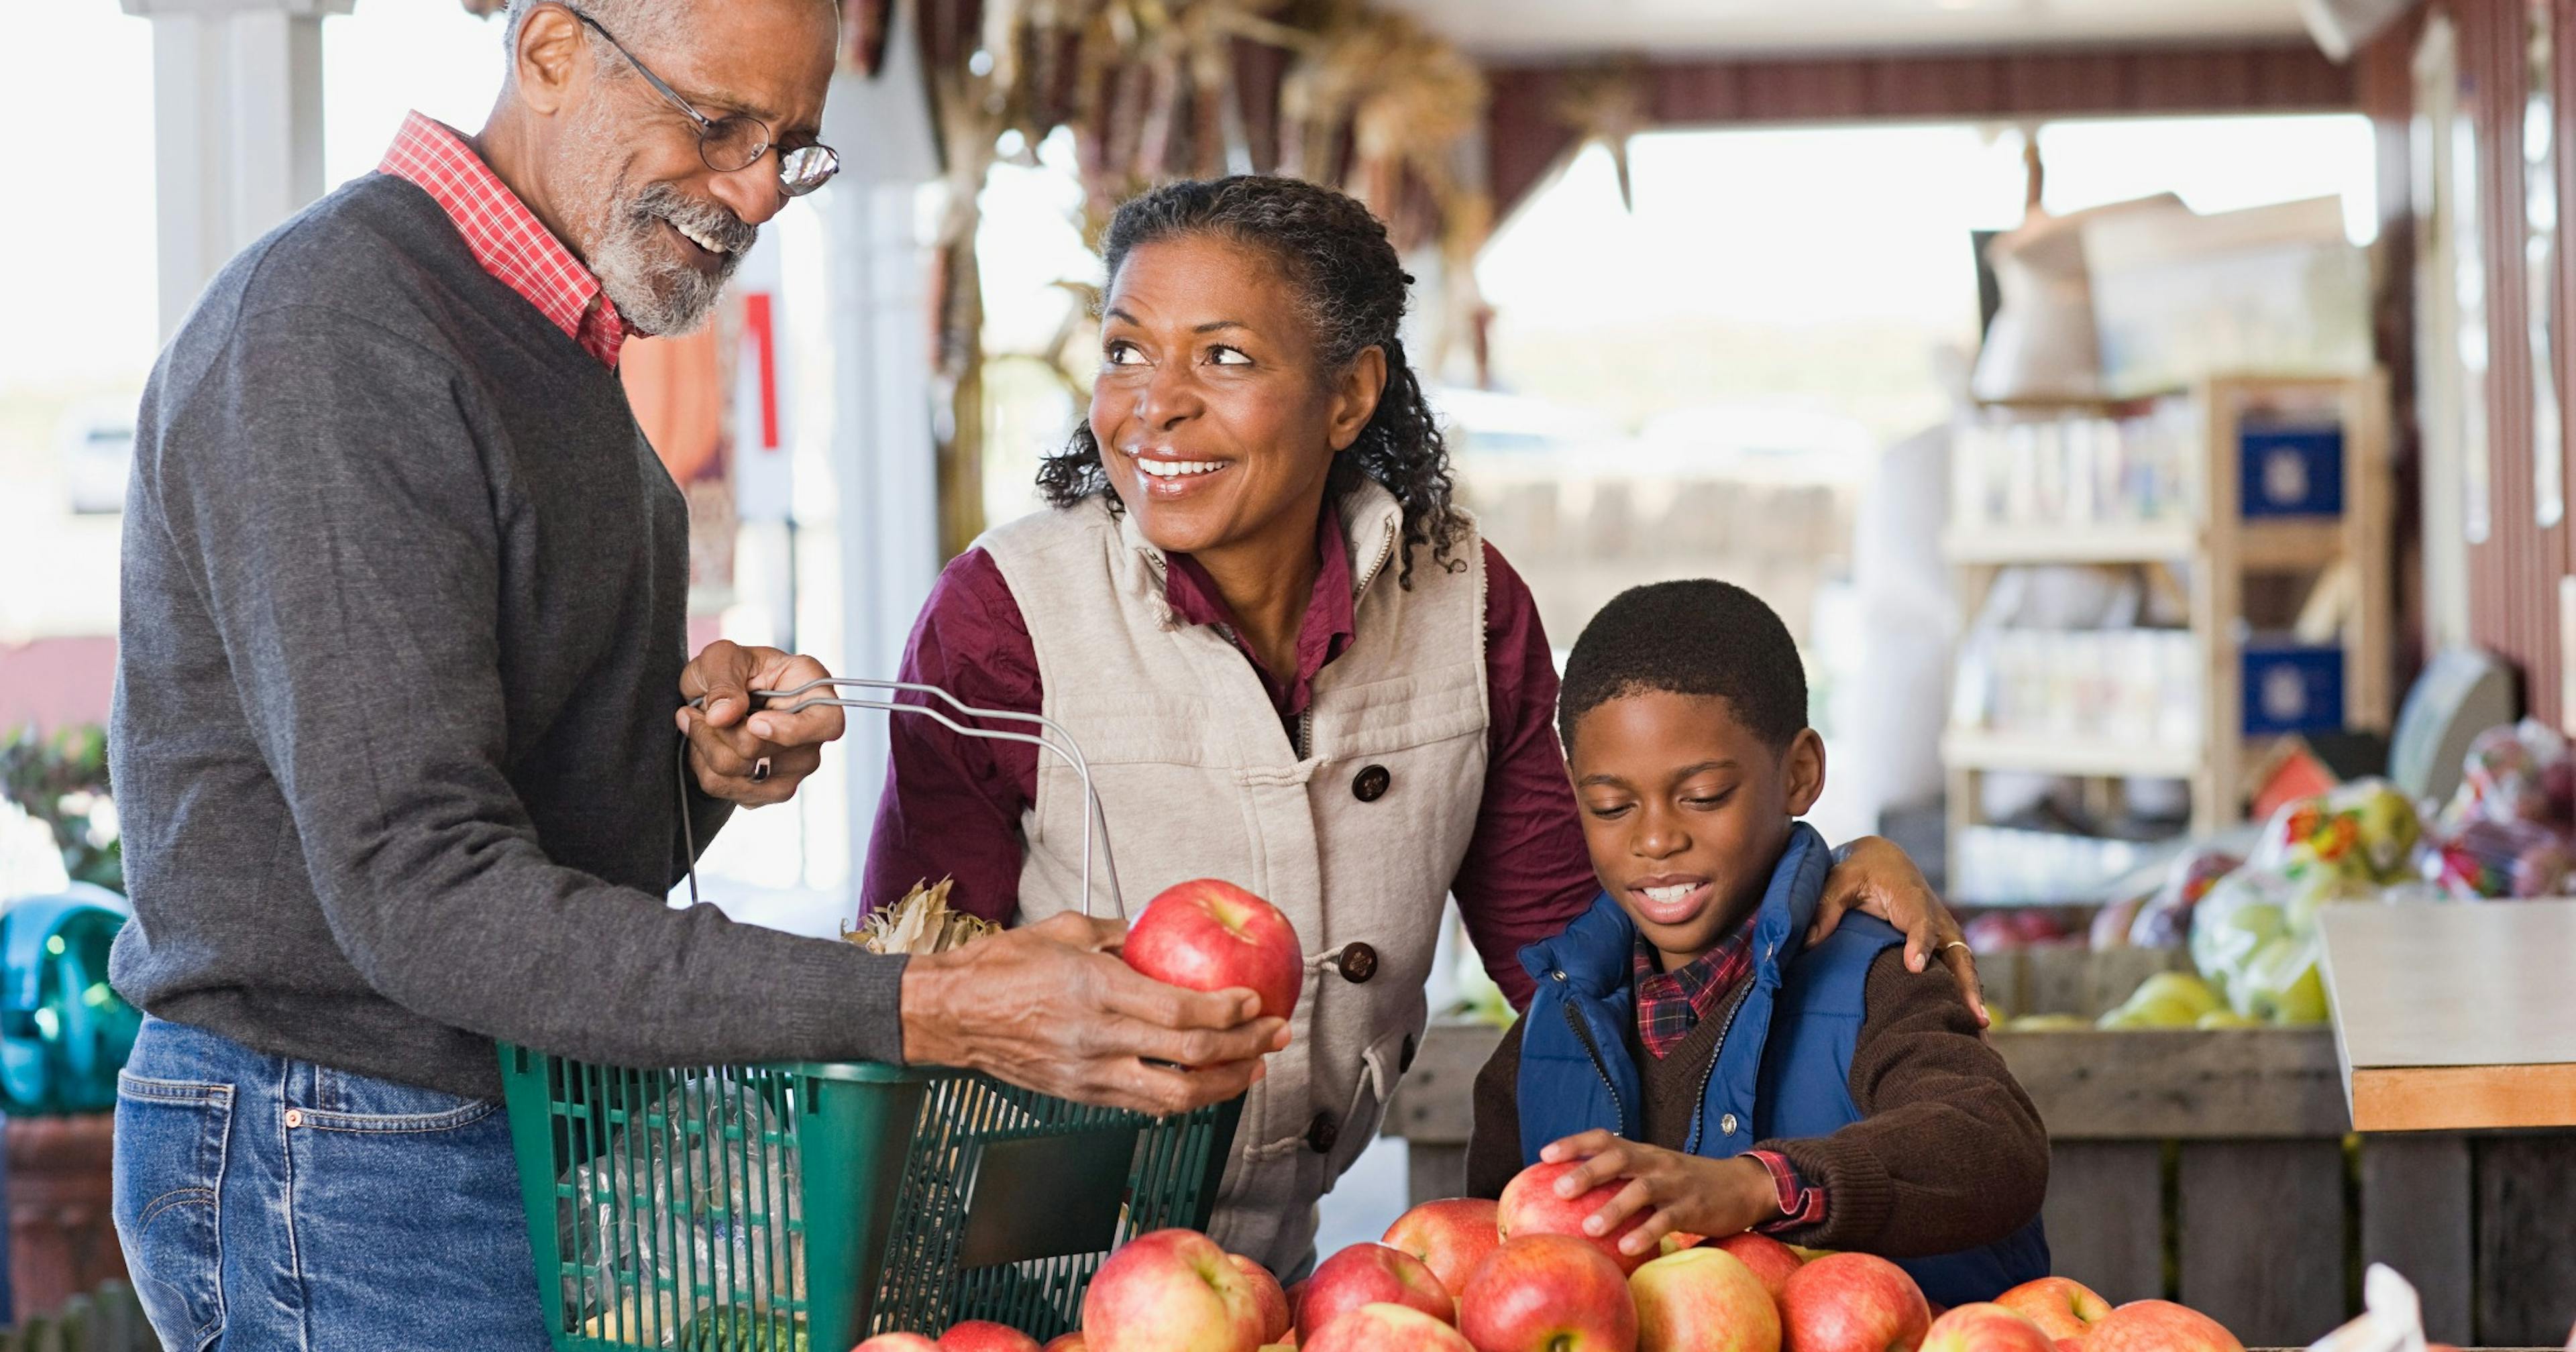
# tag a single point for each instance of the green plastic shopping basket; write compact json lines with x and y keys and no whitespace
{"x":801,"y":1208}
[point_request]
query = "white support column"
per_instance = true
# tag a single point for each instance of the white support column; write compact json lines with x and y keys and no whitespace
{"x":237,"y":126}
{"x":883,"y":456}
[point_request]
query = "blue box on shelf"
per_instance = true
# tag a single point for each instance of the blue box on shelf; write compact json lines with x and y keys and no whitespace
{"x":2292,"y":687}
{"x":2290,"y":469}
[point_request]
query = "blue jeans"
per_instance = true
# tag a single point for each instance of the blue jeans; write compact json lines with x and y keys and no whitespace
{"x":267,"y":1204}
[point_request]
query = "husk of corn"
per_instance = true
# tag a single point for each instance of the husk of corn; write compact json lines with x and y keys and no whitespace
{"x":920,"y":923}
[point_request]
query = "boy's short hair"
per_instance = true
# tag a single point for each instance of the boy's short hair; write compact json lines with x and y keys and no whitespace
{"x":1698,"y":637}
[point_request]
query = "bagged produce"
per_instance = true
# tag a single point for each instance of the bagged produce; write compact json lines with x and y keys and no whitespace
{"x":720,"y":1211}
{"x":2281,"y":983}
{"x":2165,"y":921}
{"x":2254,"y":938}
{"x":2491,"y":859}
{"x":2366,"y":830}
{"x":2522,"y":772}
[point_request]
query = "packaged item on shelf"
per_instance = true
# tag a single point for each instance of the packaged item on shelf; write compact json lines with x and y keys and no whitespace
{"x":2128,"y":686}
{"x":2074,"y":470}
{"x":2165,"y":920}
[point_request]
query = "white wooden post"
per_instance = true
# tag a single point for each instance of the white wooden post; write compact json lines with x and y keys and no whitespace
{"x":237,"y":127}
{"x":883,"y":456}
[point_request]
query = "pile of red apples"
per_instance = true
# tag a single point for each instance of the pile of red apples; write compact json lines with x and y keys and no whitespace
{"x":1521,"y":1276}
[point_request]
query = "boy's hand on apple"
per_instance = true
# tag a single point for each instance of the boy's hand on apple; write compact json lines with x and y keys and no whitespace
{"x":1675,"y":1191}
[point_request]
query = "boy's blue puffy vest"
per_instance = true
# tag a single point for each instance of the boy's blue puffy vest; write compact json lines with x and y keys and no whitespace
{"x":1782,"y":1070}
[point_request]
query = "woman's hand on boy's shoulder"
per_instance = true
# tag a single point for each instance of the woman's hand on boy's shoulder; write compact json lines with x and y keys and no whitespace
{"x":1670,"y":1190}
{"x":1873,"y":876}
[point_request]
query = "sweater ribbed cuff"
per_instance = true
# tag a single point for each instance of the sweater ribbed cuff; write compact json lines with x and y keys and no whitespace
{"x":842,"y":1003}
{"x":1860,"y":1196}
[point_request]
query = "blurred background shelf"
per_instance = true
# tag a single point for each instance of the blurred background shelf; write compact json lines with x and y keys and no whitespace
{"x":2035,"y":753}
{"x":2251,"y":513}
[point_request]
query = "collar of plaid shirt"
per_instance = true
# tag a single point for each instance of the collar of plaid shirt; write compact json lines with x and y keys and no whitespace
{"x":1671,"y":1004}
{"x":507,"y":238}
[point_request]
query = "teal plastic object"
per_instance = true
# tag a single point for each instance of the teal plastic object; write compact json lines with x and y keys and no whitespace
{"x":800,"y":1208}
{"x":64,"y":1033}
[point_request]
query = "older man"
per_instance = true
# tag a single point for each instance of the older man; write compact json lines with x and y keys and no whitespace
{"x":402,"y":659}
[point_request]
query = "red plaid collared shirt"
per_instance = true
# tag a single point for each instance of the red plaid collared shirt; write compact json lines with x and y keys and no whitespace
{"x":507,"y":238}
{"x":1671,"y":1004}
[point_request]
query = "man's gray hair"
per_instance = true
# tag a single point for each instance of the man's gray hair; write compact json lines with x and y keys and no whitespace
{"x":633,"y":21}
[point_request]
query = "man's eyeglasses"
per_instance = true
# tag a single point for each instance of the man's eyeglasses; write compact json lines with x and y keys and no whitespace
{"x":728,"y":144}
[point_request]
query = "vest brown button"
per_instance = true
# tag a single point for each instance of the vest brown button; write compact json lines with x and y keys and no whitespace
{"x":1322,"y":1132}
{"x":1370,"y":785}
{"x":1359,"y":963}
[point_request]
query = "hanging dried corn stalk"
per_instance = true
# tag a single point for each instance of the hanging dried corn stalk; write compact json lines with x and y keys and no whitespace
{"x":920,"y":923}
{"x":1609,"y":104}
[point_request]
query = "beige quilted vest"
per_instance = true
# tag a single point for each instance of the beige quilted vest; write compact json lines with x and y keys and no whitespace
{"x":1356,"y":840}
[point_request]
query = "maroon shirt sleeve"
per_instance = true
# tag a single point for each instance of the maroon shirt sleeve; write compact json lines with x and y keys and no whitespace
{"x":1527,"y":874}
{"x":952,"y":803}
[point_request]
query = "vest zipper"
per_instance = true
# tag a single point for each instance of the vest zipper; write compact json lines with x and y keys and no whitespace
{"x":1582,"y":1034}
{"x":1385,"y":554}
{"x":1709,"y":1074}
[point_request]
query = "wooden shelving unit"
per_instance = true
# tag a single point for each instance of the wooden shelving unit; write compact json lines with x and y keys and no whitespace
{"x":2208,"y":553}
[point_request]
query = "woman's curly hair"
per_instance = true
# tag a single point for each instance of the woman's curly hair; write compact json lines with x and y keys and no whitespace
{"x":1353,"y":287}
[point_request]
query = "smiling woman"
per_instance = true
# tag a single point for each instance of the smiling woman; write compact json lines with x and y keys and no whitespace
{"x":1290,"y":659}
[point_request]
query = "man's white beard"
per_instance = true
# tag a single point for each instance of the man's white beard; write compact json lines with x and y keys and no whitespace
{"x":655,"y":290}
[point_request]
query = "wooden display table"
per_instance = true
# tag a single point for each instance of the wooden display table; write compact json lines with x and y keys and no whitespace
{"x":2454,"y":1017}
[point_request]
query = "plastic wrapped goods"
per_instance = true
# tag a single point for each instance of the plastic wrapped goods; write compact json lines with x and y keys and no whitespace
{"x":2524,"y":772}
{"x":2165,"y":921}
{"x":2365,"y":830}
{"x":2493,"y":859}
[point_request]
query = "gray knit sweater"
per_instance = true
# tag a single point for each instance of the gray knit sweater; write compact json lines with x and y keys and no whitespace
{"x":402,"y":630}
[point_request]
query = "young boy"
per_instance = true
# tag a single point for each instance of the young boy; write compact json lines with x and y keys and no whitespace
{"x":1685,"y":1039}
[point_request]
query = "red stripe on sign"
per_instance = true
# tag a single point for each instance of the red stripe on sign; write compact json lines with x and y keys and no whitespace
{"x":757,"y":327}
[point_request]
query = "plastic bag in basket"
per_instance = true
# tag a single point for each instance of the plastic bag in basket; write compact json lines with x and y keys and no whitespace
{"x":688,"y":1223}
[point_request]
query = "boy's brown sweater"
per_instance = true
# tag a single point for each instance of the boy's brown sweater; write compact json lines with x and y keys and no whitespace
{"x":1948,"y":1154}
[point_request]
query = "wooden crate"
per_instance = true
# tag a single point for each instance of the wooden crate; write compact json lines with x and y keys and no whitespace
{"x":2215,"y":1168}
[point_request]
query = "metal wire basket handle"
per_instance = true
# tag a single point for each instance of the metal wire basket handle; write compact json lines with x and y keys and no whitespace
{"x":1095,"y":822}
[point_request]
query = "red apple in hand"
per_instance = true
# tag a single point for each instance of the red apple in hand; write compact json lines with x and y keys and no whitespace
{"x":1370,"y":1274}
{"x":1771,"y":1260}
{"x":1382,"y":1327}
{"x":1530,"y":1206}
{"x":2158,"y":1326}
{"x":1986,"y":1327}
{"x":1170,"y":1291}
{"x":1213,"y":936}
{"x":1548,"y":1293}
{"x":897,"y":1342}
{"x":1703,"y":1300}
{"x":1450,"y":1236}
{"x":1852,"y":1302}
{"x":2062,"y":1306}
{"x":983,"y":1335}
{"x":1276,"y":1317}
{"x":1064,"y":1342}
